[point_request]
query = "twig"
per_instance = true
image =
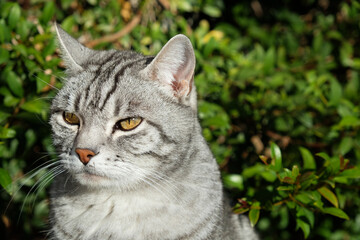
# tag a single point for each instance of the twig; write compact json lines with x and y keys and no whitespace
{"x":113,"y":37}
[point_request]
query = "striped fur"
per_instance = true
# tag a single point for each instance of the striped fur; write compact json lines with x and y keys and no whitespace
{"x":157,"y":181}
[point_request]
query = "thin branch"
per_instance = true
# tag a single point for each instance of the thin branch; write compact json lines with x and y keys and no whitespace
{"x":113,"y":37}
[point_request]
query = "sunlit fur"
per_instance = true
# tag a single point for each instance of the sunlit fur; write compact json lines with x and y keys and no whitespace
{"x":157,"y":181}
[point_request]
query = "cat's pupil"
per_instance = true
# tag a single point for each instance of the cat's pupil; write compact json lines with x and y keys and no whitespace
{"x":118,"y":125}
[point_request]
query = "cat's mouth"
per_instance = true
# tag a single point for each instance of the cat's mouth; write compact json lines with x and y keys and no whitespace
{"x":91,"y":176}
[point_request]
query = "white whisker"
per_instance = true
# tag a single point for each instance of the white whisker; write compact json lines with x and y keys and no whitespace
{"x":41,"y":184}
{"x":35,"y":186}
{"x":50,"y":85}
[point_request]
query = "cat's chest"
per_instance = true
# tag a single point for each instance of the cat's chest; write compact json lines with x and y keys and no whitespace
{"x":122,"y":216}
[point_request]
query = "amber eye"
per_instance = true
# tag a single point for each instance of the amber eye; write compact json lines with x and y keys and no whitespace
{"x":71,"y":118}
{"x":128,"y":124}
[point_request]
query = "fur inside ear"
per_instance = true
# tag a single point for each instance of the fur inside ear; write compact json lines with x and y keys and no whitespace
{"x":73,"y":53}
{"x":174,"y":66}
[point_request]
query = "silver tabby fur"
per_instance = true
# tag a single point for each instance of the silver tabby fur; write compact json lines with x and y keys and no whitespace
{"x":158,"y":181}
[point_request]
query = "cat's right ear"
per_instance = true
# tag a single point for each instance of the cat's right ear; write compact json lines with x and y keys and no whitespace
{"x":73,"y":53}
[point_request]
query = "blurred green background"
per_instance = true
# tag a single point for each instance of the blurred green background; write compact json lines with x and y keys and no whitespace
{"x":278,"y":88}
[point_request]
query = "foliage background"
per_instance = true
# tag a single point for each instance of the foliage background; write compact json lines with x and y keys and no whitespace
{"x":275,"y":79}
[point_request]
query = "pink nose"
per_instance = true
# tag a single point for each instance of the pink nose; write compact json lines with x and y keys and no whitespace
{"x":85,"y":155}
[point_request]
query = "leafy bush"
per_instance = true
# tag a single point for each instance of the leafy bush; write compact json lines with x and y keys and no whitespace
{"x":278,"y":101}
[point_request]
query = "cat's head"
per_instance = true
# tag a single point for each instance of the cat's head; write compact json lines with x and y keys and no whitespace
{"x":123,"y":119}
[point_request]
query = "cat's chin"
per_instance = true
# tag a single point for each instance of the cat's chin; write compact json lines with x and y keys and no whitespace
{"x":95,"y":181}
{"x":93,"y":177}
{"x":92,"y":180}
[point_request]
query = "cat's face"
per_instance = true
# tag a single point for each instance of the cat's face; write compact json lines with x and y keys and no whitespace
{"x":122,"y":119}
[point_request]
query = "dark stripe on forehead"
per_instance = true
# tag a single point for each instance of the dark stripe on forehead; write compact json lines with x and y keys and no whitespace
{"x":117,"y":107}
{"x":96,"y":74}
{"x":99,"y":70}
{"x":99,"y":62}
{"x":111,"y":57}
{"x":119,"y":74}
{"x":77,"y":103}
{"x":103,"y":74}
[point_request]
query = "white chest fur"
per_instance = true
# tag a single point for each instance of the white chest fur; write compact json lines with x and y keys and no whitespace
{"x":146,"y":214}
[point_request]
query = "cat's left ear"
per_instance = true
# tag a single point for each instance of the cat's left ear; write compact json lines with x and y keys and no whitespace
{"x":174,"y":66}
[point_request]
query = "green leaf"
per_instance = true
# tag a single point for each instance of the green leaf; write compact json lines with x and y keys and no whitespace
{"x":5,"y":34}
{"x":184,"y":6}
{"x":335,"y":92}
{"x":68,"y":23}
{"x":346,"y":145}
{"x":276,"y":156}
{"x":234,"y":181}
{"x":305,"y":214}
{"x":23,"y":29}
{"x":47,"y":12}
{"x":14,"y":83}
{"x":316,"y":199}
{"x":350,"y":173}
{"x":305,"y":227}
{"x":7,"y":132}
{"x":331,"y":183}
{"x":349,"y":121}
{"x":324,"y":156}
{"x":42,"y":80}
{"x":30,"y":136}
{"x":337,"y":212}
{"x":5,"y":8}
{"x":346,"y":54}
{"x":295,"y":171}
{"x":5,"y":180}
{"x":309,"y":161}
{"x":269,"y":175}
{"x":35,"y":106}
{"x":285,"y":188}
{"x":254,"y":213}
{"x":240,"y":210}
{"x":4,"y":116}
{"x":283,"y":124}
{"x":4,"y":55}
{"x":352,"y":87}
{"x":9,"y":100}
{"x":269,"y":61}
{"x":307,"y":179}
{"x":21,"y":49}
{"x":253,"y":171}
{"x":304,"y":197}
{"x":14,"y":15}
{"x":212,"y":11}
{"x":213,"y":116}
{"x":49,"y":48}
{"x":329,"y":195}
{"x":92,"y":2}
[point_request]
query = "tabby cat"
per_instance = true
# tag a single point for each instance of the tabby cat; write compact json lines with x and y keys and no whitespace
{"x":134,"y":162}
